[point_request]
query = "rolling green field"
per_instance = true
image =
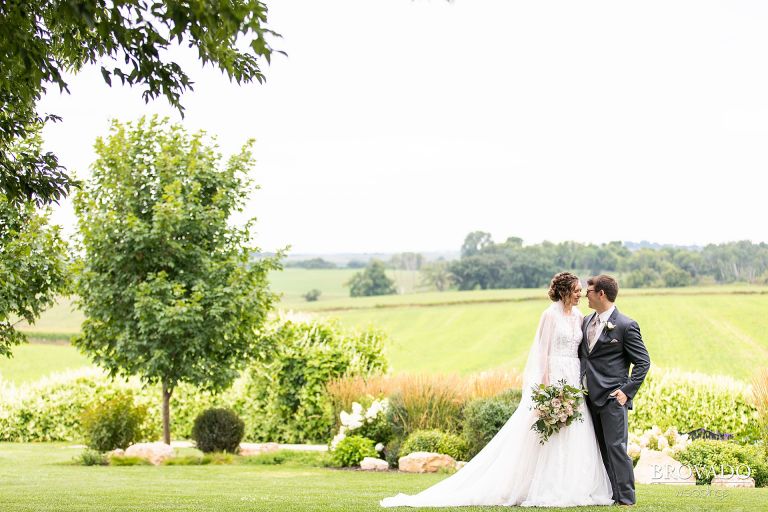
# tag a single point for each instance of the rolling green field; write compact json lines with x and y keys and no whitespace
{"x":293,"y":283}
{"x":40,"y":477}
{"x":714,"y":330}
{"x":714,"y":334}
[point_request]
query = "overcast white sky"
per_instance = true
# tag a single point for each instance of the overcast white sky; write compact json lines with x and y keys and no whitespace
{"x":399,"y":125}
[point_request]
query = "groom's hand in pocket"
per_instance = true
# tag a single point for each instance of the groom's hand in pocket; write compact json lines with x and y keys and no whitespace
{"x":620,"y":396}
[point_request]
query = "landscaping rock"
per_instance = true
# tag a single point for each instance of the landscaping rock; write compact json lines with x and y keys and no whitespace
{"x":655,"y":467}
{"x":732,"y":481}
{"x":155,"y":453}
{"x":258,"y":448}
{"x":374,"y":464}
{"x":425,"y":462}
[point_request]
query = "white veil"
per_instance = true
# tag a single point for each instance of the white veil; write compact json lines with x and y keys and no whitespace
{"x":500,"y":472}
{"x":536,"y":369}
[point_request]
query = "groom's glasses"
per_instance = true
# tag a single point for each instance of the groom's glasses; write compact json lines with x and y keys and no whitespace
{"x":586,"y":292}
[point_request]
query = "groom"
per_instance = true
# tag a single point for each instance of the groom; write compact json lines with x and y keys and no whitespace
{"x":611,"y":341}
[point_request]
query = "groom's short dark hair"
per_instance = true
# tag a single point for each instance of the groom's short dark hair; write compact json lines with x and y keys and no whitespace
{"x":607,"y":284}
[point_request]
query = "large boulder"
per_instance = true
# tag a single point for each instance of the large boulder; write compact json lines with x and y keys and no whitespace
{"x":425,"y":462}
{"x":257,"y":448}
{"x":374,"y":464}
{"x":655,"y":467}
{"x":155,"y":453}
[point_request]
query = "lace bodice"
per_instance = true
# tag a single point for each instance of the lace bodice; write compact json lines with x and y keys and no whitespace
{"x":567,"y":335}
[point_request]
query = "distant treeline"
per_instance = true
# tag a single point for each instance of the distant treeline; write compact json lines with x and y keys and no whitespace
{"x":485,"y":264}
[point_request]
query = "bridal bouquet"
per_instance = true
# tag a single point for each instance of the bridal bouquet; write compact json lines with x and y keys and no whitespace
{"x":556,"y":406}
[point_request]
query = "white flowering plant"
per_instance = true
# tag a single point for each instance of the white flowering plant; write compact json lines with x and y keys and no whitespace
{"x":669,"y":442}
{"x":555,"y":406}
{"x":370,"y":422}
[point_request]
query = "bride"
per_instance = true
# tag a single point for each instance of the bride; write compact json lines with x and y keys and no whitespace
{"x":513,"y":468}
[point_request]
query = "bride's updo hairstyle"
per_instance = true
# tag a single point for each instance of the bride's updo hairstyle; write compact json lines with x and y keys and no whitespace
{"x":562,"y":286}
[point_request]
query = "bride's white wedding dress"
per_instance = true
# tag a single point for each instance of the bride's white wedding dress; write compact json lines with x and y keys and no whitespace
{"x":513,"y":468}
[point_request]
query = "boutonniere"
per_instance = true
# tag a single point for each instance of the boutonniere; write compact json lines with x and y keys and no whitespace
{"x":609,"y":326}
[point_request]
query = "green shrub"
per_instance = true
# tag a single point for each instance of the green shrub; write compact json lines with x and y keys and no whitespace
{"x":378,"y":429}
{"x":218,"y":430}
{"x":52,"y":408}
{"x":312,"y":295}
{"x":114,"y":423}
{"x":91,"y":457}
{"x":352,"y":450}
{"x":284,"y":398}
{"x":689,"y":401}
{"x":704,"y":454}
{"x":484,"y":417}
{"x":436,"y":442}
{"x":392,"y":451}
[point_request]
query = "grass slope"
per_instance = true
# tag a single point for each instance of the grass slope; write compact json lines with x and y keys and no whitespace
{"x":715,"y":334}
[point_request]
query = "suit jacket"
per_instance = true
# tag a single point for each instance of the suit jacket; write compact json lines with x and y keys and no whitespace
{"x":607,"y":366}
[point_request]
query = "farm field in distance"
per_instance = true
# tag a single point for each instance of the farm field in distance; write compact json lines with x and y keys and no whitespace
{"x":713,"y":330}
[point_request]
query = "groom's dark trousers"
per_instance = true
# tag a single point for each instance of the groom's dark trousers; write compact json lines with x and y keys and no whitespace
{"x":605,"y":369}
{"x":610,"y":421}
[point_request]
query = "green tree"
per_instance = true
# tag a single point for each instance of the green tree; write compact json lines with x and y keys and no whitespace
{"x":33,"y":268}
{"x":371,"y":281}
{"x":475,"y":242}
{"x":407,"y":261}
{"x":43,"y":39}
{"x":436,"y":275}
{"x":170,"y":289}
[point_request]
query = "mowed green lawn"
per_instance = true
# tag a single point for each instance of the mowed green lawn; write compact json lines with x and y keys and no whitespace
{"x":714,"y":330}
{"x":40,"y":477}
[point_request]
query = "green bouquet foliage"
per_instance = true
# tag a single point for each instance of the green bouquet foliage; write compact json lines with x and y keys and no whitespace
{"x":556,"y":406}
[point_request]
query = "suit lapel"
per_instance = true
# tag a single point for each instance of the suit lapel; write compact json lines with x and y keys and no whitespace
{"x":604,"y":331}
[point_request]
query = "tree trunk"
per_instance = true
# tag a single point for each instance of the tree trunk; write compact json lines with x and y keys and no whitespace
{"x":167,"y":413}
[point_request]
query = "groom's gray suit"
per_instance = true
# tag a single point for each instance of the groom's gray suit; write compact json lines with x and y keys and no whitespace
{"x":604,"y":369}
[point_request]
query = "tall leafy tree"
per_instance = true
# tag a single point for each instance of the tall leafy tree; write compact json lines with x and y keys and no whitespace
{"x":371,"y":281}
{"x":172,"y":291}
{"x":41,"y":40}
{"x":33,"y":268}
{"x":437,"y":275}
{"x":475,"y":242}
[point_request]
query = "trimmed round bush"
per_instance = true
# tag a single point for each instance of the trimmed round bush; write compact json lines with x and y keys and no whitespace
{"x":436,"y":442}
{"x":115,"y":423}
{"x":218,"y":430}
{"x":484,"y":417}
{"x":352,"y":450}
